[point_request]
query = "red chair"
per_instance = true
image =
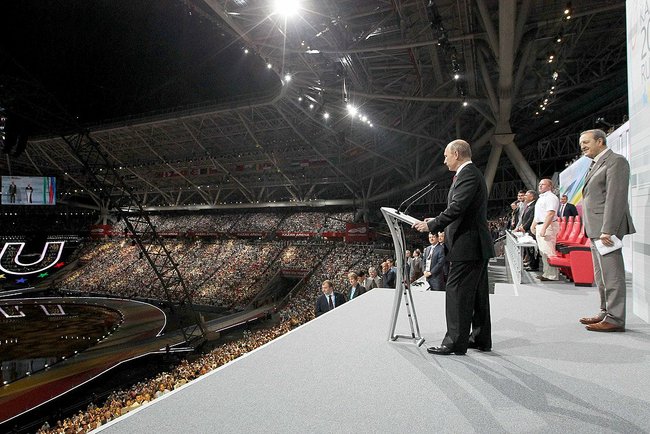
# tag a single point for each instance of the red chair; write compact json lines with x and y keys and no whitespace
{"x":565,"y":230}
{"x":575,"y":263}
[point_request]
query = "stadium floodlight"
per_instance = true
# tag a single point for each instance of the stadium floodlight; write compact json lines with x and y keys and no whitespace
{"x":286,"y":8}
{"x":352,"y":110}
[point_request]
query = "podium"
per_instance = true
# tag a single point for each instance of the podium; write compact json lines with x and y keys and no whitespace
{"x":394,"y":219}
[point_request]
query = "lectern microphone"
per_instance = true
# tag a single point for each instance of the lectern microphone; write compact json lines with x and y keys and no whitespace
{"x":432,"y":185}
{"x":414,"y":195}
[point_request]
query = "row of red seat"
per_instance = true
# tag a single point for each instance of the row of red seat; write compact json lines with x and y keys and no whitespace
{"x":573,"y":252}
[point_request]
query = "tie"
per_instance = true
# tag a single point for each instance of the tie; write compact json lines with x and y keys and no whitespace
{"x":562,"y":210}
{"x":591,"y":166}
{"x":453,"y":179}
{"x":330,"y":302}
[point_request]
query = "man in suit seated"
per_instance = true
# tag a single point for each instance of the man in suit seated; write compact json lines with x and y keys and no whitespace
{"x":567,"y":209}
{"x":356,"y":288}
{"x":329,"y":299}
{"x":434,"y":263}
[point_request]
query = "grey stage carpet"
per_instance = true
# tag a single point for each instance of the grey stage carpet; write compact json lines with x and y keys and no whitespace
{"x":339,"y":374}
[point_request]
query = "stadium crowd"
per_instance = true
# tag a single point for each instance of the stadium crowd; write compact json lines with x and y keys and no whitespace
{"x":122,"y":401}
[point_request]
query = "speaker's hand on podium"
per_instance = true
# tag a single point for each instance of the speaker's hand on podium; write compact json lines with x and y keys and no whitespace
{"x":421,"y":226}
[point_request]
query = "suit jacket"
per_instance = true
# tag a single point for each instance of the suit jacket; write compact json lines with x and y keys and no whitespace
{"x":529,"y":215}
{"x":437,"y":279}
{"x":465,"y":220}
{"x":569,"y":210}
{"x":605,"y":195}
{"x":322,"y":304}
{"x":359,"y":291}
{"x":417,"y":268}
{"x":371,"y":283}
{"x":389,"y":279}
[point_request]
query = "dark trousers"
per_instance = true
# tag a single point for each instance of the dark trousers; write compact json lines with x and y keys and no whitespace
{"x":467,"y":306}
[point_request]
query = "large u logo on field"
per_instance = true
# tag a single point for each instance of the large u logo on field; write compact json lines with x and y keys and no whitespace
{"x":10,"y":258}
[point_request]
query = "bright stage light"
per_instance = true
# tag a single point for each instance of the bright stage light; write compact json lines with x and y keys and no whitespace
{"x":352,"y":110}
{"x":287,"y":78}
{"x":326,"y":115}
{"x":286,"y":8}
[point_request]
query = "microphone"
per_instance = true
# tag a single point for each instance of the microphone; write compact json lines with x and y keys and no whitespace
{"x":414,"y":194}
{"x":424,"y":193}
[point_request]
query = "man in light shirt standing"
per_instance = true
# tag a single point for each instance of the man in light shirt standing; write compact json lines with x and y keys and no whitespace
{"x":547,"y":227}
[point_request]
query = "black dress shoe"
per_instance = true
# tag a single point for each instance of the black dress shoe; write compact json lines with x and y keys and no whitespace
{"x":479,"y":347}
{"x":443,"y":350}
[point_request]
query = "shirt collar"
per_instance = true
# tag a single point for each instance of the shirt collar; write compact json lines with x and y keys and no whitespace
{"x":600,"y":155}
{"x":462,"y":165}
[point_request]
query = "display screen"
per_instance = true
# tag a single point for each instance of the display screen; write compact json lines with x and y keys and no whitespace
{"x":28,"y":190}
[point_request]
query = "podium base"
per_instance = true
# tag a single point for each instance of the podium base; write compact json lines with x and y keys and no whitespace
{"x":417,"y":340}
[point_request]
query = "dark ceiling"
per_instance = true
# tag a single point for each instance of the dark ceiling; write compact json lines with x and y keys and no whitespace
{"x":102,"y":60}
{"x":229,"y":132}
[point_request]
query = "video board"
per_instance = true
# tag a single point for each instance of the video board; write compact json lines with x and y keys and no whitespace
{"x":28,"y":190}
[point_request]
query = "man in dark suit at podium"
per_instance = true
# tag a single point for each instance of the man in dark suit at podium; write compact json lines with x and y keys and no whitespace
{"x":467,"y":303}
{"x":329,"y":299}
{"x":566,"y":209}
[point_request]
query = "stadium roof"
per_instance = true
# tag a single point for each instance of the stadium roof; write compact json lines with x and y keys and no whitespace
{"x":179,"y":96}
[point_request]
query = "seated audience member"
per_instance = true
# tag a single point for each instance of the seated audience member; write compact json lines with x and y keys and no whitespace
{"x":356,"y":289}
{"x":374,"y":280}
{"x":329,"y":299}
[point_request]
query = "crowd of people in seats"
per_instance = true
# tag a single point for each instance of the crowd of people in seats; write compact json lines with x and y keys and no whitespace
{"x":217,"y":273}
{"x":303,"y":222}
{"x":227,"y":273}
{"x":335,"y":268}
{"x":236,"y":266}
{"x":498,"y":227}
{"x":249,"y":222}
{"x":122,"y":401}
{"x":261,"y":222}
{"x":302,"y":257}
{"x":336,"y":222}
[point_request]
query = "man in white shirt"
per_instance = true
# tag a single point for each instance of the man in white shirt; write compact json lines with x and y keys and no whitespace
{"x":547,"y":227}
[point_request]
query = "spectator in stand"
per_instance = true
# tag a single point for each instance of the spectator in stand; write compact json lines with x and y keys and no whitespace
{"x":547,"y":227}
{"x":531,"y":259}
{"x":374,"y":280}
{"x":521,"y":194}
{"x":514,"y":215}
{"x":441,"y":240}
{"x":408,"y":257}
{"x":329,"y":300}
{"x":566,"y":209}
{"x":416,"y":266}
{"x":356,"y":289}
{"x":434,"y":263}
{"x":362,"y":278}
{"x":388,"y":275}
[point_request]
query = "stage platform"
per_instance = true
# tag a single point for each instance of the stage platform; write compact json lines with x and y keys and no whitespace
{"x":339,"y":373}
